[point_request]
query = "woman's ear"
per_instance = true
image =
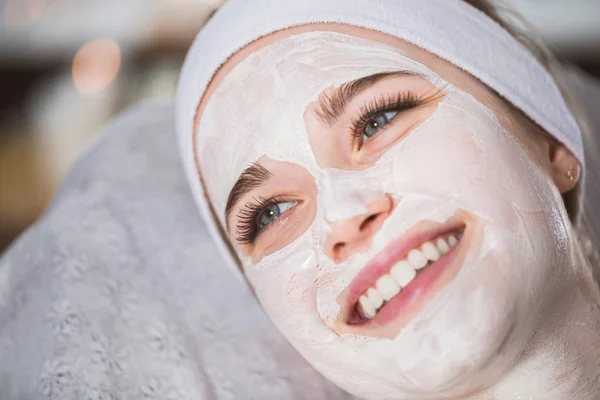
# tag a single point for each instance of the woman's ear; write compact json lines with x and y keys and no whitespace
{"x":566,"y":169}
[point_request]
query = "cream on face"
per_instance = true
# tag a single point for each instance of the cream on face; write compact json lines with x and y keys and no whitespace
{"x":459,"y":161}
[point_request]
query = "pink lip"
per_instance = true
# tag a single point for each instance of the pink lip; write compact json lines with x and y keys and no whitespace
{"x":386,"y":259}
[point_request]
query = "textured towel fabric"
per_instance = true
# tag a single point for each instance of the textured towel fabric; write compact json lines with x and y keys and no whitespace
{"x":451,"y":29}
{"x":117,"y":292}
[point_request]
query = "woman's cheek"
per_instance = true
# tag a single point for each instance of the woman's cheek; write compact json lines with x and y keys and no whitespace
{"x":299,"y":291}
{"x":285,"y":281}
{"x":438,"y":157}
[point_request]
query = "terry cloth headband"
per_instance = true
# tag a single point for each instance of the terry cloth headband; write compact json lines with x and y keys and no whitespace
{"x":450,"y":29}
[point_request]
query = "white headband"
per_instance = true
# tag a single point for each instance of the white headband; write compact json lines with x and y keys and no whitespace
{"x":450,"y":29}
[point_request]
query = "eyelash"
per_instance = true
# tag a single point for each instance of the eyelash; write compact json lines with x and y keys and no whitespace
{"x":247,"y":230}
{"x":398,"y":102}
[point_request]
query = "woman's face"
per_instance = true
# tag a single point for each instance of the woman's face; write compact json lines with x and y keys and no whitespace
{"x":393,"y":215}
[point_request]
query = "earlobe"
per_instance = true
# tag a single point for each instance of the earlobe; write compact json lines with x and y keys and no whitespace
{"x":566,"y":169}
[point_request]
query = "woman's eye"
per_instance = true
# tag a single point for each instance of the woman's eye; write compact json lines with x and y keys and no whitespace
{"x":272,"y":212}
{"x":374,"y":125}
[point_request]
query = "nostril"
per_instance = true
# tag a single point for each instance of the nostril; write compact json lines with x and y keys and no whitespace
{"x":367,"y":222}
{"x":338,"y":247}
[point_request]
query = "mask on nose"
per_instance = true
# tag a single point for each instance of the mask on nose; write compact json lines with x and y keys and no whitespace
{"x":346,"y":194}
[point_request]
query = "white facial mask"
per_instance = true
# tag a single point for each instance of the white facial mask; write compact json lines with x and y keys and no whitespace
{"x":461,"y":158}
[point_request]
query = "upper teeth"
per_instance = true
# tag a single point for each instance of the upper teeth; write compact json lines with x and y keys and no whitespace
{"x":402,"y":273}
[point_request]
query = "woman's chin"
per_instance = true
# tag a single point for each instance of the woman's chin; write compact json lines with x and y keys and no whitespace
{"x":422,"y":359}
{"x":454,"y":374}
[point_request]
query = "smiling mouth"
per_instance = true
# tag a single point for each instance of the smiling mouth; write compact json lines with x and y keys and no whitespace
{"x":404,"y":278}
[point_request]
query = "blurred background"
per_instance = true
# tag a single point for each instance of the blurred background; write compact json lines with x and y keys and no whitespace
{"x":68,"y":66}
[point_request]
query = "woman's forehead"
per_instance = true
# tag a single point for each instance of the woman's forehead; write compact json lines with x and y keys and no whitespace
{"x":409,"y":49}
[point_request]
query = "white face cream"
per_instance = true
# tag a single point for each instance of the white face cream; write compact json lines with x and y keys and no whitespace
{"x":458,"y":160}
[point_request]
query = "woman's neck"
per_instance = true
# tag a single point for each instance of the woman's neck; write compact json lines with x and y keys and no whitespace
{"x":562,"y":360}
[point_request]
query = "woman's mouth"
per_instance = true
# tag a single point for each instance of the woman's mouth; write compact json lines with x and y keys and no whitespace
{"x":400,"y":274}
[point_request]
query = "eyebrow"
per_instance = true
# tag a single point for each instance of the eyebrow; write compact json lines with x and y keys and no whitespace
{"x":254,"y":176}
{"x":333,"y":105}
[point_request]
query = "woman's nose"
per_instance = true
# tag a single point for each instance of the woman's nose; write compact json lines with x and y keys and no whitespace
{"x":355,"y":234}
